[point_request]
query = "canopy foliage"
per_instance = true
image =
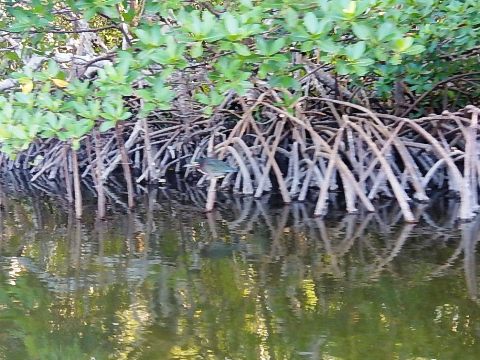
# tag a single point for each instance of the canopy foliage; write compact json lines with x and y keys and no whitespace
{"x":67,"y":66}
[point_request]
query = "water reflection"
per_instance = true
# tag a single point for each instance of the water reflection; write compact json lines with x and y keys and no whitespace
{"x":250,"y":281}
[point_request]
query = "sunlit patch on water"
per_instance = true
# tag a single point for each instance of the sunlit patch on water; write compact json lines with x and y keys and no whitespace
{"x":14,"y":270}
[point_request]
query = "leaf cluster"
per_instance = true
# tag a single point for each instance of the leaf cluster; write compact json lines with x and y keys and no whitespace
{"x":239,"y":44}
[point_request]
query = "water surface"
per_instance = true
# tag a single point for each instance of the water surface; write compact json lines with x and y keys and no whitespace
{"x":251,"y":281}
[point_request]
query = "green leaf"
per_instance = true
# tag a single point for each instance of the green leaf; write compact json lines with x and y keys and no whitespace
{"x":172,"y":46}
{"x":196,"y":50}
{"x":241,"y":49}
{"x":329,"y":46}
{"x":125,"y":116}
{"x":359,"y":70}
{"x":106,"y":125}
{"x":361,"y":31}
{"x":307,"y":46}
{"x":195,"y":25}
{"x":396,"y":59}
{"x":247,"y":3}
{"x":110,"y":11}
{"x":262,"y":46}
{"x":415,"y":50}
{"x":216,"y":98}
{"x":202,"y":98}
{"x":277,"y":45}
{"x":291,"y":17}
{"x":63,"y":136}
{"x":402,"y":44}
{"x":269,"y":47}
{"x":143,"y":36}
{"x":231,"y":24}
{"x":52,"y":68}
{"x":19,"y":132}
{"x":385,"y":30}
{"x":284,"y":82}
{"x":89,"y":13}
{"x":365,"y":62}
{"x":342,"y":68}
{"x":380,"y":54}
{"x":356,"y":50}
{"x":12,"y":55}
{"x":350,"y":8}
{"x":311,"y":22}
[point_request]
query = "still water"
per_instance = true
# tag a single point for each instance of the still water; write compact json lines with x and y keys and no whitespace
{"x":251,"y":281}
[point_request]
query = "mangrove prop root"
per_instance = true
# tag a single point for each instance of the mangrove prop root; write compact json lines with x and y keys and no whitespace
{"x":98,"y":170}
{"x":212,"y":191}
{"x":76,"y":185}
{"x":125,"y":165}
{"x":305,"y":151}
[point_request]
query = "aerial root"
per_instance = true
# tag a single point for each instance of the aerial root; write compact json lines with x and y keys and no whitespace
{"x":362,"y":154}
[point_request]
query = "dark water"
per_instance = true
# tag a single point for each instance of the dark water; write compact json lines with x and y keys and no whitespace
{"x":252,"y":281}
